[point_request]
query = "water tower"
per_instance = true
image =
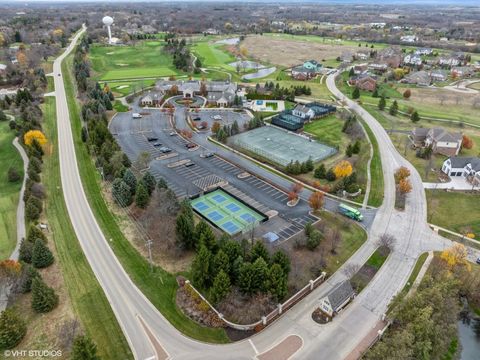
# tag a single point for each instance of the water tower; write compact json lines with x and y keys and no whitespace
{"x":108,"y":21}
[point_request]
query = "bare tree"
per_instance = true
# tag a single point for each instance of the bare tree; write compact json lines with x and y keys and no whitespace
{"x":350,"y":270}
{"x":334,"y":237}
{"x":386,"y":240}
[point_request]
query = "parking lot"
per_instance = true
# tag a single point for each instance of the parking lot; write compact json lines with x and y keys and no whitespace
{"x":206,"y":173}
{"x":224,"y":117}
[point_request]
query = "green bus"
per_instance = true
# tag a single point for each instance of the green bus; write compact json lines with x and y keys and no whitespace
{"x":350,"y":212}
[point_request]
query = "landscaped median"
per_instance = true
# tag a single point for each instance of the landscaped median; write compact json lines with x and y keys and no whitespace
{"x":158,"y":285}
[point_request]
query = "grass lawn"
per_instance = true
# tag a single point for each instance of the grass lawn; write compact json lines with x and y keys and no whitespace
{"x":413,"y":276}
{"x":123,"y":88}
{"x":9,"y":192}
{"x":353,"y":236}
{"x":475,"y":86}
{"x":160,"y":286}
{"x":145,"y":59}
{"x":119,"y":107}
{"x":454,"y":211}
{"x":376,"y":260}
{"x":89,"y":302}
{"x":212,"y":55}
{"x":328,"y":130}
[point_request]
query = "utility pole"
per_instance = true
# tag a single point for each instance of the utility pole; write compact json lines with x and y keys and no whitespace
{"x":149,"y":247}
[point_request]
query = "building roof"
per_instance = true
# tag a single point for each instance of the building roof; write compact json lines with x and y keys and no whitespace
{"x":461,"y":162}
{"x":339,"y":294}
{"x":440,"y":134}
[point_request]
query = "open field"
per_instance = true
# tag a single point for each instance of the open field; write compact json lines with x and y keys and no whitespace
{"x":212,"y":55}
{"x":111,"y":63}
{"x":123,"y":88}
{"x":9,"y":192}
{"x":292,"y":51}
{"x":89,"y":302}
{"x":328,"y":130}
{"x":454,"y":211}
{"x":160,"y":286}
{"x":475,"y":86}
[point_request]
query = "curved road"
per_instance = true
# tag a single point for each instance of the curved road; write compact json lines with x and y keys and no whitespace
{"x":151,"y":336}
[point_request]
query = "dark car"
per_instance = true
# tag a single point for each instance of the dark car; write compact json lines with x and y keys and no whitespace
{"x":189,"y":164}
{"x":197,"y":118}
{"x":478,"y":261}
{"x":208,"y":155}
{"x":152,"y":138}
{"x":190,"y":146}
{"x":165,"y":150}
{"x":157,"y":144}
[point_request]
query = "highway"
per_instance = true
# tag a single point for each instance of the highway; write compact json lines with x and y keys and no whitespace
{"x":153,"y":337}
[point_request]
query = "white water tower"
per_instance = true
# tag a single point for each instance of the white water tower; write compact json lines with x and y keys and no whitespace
{"x":108,"y":21}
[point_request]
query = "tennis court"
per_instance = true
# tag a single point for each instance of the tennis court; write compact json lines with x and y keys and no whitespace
{"x":226,"y":212}
{"x":281,"y":146}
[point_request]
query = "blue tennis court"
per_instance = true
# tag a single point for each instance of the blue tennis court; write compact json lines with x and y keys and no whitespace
{"x":226,"y":212}
{"x":233,"y":207}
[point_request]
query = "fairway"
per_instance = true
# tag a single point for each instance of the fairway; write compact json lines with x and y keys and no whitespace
{"x":146,"y":59}
{"x":212,"y":56}
{"x":9,"y":192}
{"x":225,"y":212}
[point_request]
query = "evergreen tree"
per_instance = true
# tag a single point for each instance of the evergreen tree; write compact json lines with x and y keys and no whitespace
{"x":221,"y":262}
{"x":259,"y":251}
{"x":25,"y":251}
{"x":204,"y":236}
{"x":149,"y":182}
{"x":375,"y":93}
{"x":221,"y":287}
{"x":277,"y":282}
{"x":356,"y":93}
{"x":42,"y":257}
{"x":12,"y":329}
{"x":382,"y":103}
{"x":185,"y":230}
{"x":351,"y":72}
{"x":309,"y":164}
{"x":415,"y":117}
{"x":236,"y":269}
{"x":260,"y":271}
{"x":281,"y":258}
{"x":235,"y":128}
{"x":130,"y":179}
{"x":35,"y":233}
{"x":121,"y":192}
{"x":314,"y":240}
{"x":232,"y":249}
{"x":330,"y":175}
{"x":44,"y":298}
{"x":162,"y":184}
{"x":35,"y":165}
{"x":202,"y":268}
{"x":32,"y":212}
{"x":349,"y":150}
{"x":29,"y":273}
{"x":84,"y":349}
{"x":246,"y":278}
{"x":394,"y":108}
{"x":142,"y":197}
{"x":356,"y":147}
{"x":320,"y":172}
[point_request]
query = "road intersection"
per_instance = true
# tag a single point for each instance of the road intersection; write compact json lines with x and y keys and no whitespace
{"x":151,"y":336}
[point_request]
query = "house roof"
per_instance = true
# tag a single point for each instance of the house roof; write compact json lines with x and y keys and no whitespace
{"x":461,"y":162}
{"x":302,"y":108}
{"x":339,"y":294}
{"x":440,"y":134}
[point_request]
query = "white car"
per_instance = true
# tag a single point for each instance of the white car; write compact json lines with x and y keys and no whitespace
{"x":217,"y":117}
{"x":136,"y":116}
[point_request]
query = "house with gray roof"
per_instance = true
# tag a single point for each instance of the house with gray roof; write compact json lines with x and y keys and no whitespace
{"x":421,"y":78}
{"x":442,"y":142}
{"x":337,"y":298}
{"x":466,"y":167}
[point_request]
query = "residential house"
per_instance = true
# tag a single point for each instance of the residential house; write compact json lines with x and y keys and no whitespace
{"x":462,"y":71}
{"x":442,"y":142}
{"x":449,"y":61}
{"x":378,"y":68}
{"x":439,"y":75}
{"x":152,"y":99}
{"x":360,"y":69}
{"x":364,"y":82}
{"x":409,"y":39}
{"x":337,"y":298}
{"x":362,"y":55}
{"x":392,"y":56}
{"x":346,"y":57}
{"x":466,"y":167}
{"x":421,"y":78}
{"x":308,"y":70}
{"x":424,"y":51}
{"x":412,"y":60}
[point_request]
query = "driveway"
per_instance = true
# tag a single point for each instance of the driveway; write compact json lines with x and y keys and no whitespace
{"x":455,"y":183}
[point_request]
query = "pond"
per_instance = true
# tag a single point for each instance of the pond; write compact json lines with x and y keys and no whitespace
{"x":246,"y":64}
{"x":469,"y":336}
{"x":260,"y":73}
{"x":231,"y":41}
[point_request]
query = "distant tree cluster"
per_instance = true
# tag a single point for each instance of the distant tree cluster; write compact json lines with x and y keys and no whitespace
{"x":297,"y":168}
{"x":179,"y":51}
{"x":273,"y":91}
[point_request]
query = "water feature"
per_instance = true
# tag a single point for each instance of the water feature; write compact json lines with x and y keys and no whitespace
{"x":260,"y":73}
{"x":469,"y":334}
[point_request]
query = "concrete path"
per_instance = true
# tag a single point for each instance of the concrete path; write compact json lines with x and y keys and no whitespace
{"x":21,"y":232}
{"x":462,"y":86}
{"x":421,"y":273}
{"x":456,"y":183}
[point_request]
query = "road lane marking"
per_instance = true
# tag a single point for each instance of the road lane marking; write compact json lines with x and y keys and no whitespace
{"x":253,"y":346}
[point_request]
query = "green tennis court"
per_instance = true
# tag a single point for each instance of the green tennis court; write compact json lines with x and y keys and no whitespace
{"x":226,"y":212}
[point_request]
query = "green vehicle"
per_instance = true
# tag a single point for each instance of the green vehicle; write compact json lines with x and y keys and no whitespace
{"x":350,"y":212}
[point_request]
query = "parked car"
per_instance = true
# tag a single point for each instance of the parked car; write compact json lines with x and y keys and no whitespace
{"x":157,"y":144}
{"x":136,"y":115}
{"x":201,"y":127}
{"x":208,"y":155}
{"x":152,"y":138}
{"x":173,"y":133}
{"x":217,"y":117}
{"x":190,"y":146}
{"x":165,"y":150}
{"x":478,"y":261}
{"x":189,"y":164}
{"x":197,"y":118}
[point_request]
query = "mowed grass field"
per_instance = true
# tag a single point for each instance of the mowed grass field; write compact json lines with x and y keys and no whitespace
{"x":454,"y":211}
{"x":9,"y":192}
{"x":212,"y":55}
{"x":146,"y":59}
{"x":328,"y":130}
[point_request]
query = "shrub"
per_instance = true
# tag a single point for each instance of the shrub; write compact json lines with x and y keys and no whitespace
{"x":44,"y":298}
{"x":42,"y":257}
{"x":84,"y":349}
{"x":12,"y":329}
{"x":13,"y":175}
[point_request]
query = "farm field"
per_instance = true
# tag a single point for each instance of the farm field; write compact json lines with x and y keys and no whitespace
{"x":465,"y":217}
{"x":113,"y":63}
{"x":9,"y":192}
